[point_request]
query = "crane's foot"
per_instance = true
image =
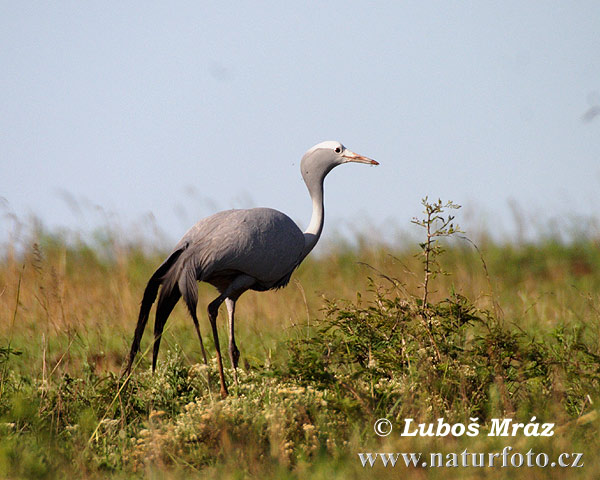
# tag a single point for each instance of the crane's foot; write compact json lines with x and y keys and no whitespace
{"x":224,"y":392}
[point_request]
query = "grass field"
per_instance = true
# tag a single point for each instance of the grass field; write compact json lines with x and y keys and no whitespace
{"x":507,"y":330}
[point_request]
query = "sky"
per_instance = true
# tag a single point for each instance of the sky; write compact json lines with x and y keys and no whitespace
{"x":151,"y":115}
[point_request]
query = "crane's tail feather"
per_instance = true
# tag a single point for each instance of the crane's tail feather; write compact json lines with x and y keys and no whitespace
{"x":189,"y":290}
{"x":168,"y":298}
{"x":150,"y":293}
{"x":188,"y":286}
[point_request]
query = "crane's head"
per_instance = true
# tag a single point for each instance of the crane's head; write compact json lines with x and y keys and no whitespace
{"x":320,"y":159}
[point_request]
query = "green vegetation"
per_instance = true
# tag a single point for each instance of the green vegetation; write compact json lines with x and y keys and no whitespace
{"x":443,"y":330}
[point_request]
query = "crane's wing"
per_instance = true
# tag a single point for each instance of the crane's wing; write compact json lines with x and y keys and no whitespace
{"x":261,"y":242}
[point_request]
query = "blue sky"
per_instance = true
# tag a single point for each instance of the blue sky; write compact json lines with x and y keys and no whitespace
{"x":160,"y":113}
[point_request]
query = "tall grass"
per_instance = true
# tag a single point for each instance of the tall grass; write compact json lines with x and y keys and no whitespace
{"x":493,"y":331}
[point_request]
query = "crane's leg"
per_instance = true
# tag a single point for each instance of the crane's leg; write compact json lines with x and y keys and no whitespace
{"x":166,"y":303}
{"x":213,"y":311}
{"x":238,"y":286}
{"x":234,"y":353}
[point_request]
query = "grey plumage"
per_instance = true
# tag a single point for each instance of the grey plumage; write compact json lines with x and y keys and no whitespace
{"x":237,"y":250}
{"x":260,"y":242}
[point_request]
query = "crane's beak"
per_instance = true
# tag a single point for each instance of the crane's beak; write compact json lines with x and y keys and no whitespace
{"x":355,"y":157}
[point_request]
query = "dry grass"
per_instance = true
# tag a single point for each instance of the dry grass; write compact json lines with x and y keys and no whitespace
{"x":70,"y":311}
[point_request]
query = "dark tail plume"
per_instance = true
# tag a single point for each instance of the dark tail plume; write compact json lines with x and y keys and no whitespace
{"x":149,"y":296}
{"x":169,"y":296}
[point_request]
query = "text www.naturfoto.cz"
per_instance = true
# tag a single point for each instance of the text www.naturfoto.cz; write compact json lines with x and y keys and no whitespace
{"x":465,"y":458}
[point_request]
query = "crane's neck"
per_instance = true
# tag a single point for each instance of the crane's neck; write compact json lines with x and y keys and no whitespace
{"x":313,"y":232}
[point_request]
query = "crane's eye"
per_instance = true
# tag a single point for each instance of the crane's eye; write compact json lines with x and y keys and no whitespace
{"x":338,"y":150}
